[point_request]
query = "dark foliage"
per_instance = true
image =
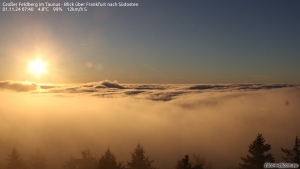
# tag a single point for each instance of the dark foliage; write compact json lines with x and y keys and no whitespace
{"x":258,"y":156}
{"x":15,"y":161}
{"x":87,"y":161}
{"x":197,"y":160}
{"x":293,"y":156}
{"x":139,"y":160}
{"x":108,"y":161}
{"x":38,"y":161}
{"x":186,"y":164}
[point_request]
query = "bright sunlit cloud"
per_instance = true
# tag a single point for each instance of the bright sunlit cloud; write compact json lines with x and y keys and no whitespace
{"x":37,"y":67}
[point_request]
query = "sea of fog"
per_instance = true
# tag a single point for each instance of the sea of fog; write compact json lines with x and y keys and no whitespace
{"x":217,"y":122}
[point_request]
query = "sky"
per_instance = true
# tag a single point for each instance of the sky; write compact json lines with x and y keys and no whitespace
{"x":174,"y":42}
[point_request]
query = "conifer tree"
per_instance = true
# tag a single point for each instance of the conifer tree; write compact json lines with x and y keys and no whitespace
{"x":258,"y":156}
{"x":15,"y":161}
{"x":293,"y":156}
{"x":72,"y":163}
{"x":108,"y":161}
{"x":87,"y":161}
{"x":200,"y":161}
{"x":139,"y":160}
{"x":38,"y":161}
{"x":186,"y":164}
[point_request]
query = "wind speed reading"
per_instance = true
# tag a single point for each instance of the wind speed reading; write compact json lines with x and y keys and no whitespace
{"x":59,"y":7}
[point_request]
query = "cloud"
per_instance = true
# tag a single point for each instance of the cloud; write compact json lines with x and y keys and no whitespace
{"x":18,"y":86}
{"x":133,"y":92}
{"x":154,"y":92}
{"x":44,"y":86}
{"x":205,"y":87}
{"x":241,"y":86}
{"x":164,"y":96}
{"x":170,"y":121}
{"x":110,"y":84}
{"x":80,"y":88}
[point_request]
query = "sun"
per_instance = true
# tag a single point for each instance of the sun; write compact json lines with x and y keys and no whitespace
{"x":37,"y":67}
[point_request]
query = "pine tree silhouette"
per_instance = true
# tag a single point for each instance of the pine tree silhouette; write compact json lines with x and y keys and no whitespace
{"x":108,"y":161}
{"x":139,"y":160}
{"x":72,"y":163}
{"x":186,"y":164}
{"x":38,"y":161}
{"x":15,"y":161}
{"x":86,"y":162}
{"x":200,"y":161}
{"x":257,"y":156}
{"x":294,"y":154}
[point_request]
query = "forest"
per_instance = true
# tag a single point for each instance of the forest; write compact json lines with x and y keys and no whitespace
{"x":258,"y":154}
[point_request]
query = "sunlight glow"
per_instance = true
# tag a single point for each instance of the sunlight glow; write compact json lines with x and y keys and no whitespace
{"x":37,"y":67}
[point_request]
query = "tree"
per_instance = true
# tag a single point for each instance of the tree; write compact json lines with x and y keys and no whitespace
{"x":186,"y":164}
{"x":15,"y":161}
{"x":258,"y":155}
{"x":200,"y":161}
{"x":139,"y":160}
{"x":108,"y":161}
{"x":293,"y":156}
{"x":86,"y":162}
{"x":38,"y":161}
{"x":72,"y":163}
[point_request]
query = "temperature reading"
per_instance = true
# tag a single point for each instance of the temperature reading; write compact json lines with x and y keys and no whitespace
{"x":43,"y":9}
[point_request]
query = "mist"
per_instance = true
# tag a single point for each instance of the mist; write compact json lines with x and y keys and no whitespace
{"x":217,"y":125}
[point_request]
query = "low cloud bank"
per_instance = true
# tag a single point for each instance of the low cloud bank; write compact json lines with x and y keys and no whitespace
{"x":108,"y":84}
{"x":241,"y":86}
{"x":154,"y":92}
{"x":18,"y":86}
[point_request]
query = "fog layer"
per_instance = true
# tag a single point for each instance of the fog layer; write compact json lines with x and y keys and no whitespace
{"x":218,"y":125}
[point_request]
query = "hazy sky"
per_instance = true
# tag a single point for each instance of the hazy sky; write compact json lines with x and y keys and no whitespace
{"x":156,"y":42}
